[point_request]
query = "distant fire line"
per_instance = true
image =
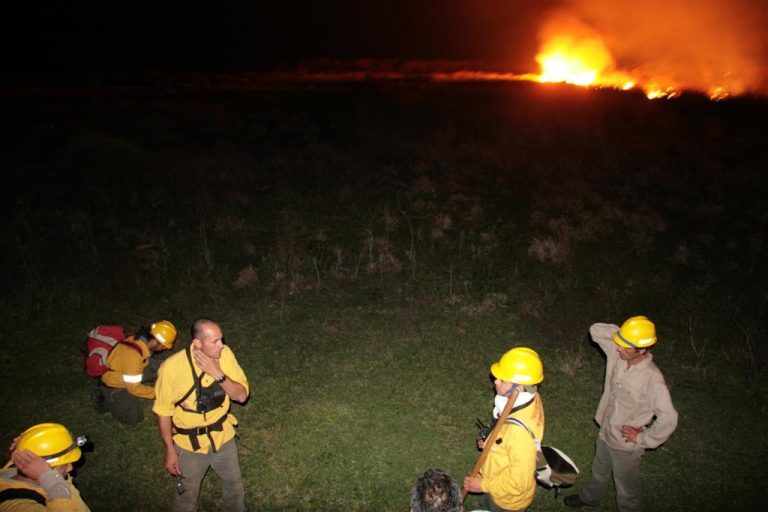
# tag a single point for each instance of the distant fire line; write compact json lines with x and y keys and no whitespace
{"x":619,"y":83}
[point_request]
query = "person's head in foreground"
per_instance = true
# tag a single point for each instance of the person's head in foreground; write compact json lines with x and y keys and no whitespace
{"x":436,"y":491}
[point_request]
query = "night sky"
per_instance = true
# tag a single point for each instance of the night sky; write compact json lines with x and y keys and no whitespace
{"x":719,"y":43}
{"x":267,"y":35}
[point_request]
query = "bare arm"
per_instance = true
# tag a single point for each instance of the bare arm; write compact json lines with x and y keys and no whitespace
{"x":235,"y":390}
{"x":166,"y":434}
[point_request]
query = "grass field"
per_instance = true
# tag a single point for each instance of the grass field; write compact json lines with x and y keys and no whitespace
{"x":370,"y":250}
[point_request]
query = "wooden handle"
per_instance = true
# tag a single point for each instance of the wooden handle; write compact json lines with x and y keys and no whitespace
{"x":492,"y":436}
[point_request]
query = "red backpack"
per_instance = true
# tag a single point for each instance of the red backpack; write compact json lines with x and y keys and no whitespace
{"x":100,"y":342}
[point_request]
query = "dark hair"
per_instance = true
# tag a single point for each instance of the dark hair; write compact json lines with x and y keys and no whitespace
{"x":436,"y":491}
{"x":143,"y":333}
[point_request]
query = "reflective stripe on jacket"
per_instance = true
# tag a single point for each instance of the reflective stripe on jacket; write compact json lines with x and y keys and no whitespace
{"x":126,"y":365}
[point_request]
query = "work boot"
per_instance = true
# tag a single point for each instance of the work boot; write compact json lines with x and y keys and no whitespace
{"x":575,"y":501}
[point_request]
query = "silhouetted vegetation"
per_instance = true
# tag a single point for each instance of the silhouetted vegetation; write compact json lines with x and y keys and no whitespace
{"x":361,"y":238}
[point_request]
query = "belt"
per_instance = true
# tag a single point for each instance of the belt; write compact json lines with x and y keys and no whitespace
{"x":206,"y":430}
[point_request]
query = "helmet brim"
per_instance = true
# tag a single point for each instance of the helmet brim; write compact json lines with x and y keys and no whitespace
{"x":620,"y":342}
{"x":70,"y":457}
{"x":496,"y":372}
{"x":647,"y":343}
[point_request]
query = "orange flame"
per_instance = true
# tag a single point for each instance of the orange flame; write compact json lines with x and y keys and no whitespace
{"x":578,"y":62}
{"x":586,"y":61}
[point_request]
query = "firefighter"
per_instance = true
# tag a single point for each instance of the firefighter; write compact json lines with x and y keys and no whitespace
{"x":37,"y":476}
{"x":507,"y":474}
{"x":635,"y":413}
{"x":194,"y":388}
{"x":130,"y":370}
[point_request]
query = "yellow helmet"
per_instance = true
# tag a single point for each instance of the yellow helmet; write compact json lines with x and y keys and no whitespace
{"x":520,"y":365}
{"x":52,"y":442}
{"x":164,"y":332}
{"x":636,"y":332}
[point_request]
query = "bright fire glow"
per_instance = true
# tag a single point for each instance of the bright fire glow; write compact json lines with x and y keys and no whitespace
{"x":558,"y":67}
{"x":719,"y":93}
{"x":654,"y":91}
{"x":573,"y":61}
{"x":587,"y":62}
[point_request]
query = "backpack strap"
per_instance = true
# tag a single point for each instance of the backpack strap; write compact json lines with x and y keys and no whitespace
{"x":196,"y":385}
{"x":522,"y":406}
{"x":519,"y":423}
{"x":199,"y":431}
{"x":515,"y":421}
{"x":541,"y":460}
{"x":16,"y":493}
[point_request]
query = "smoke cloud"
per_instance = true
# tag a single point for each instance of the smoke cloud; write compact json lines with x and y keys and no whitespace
{"x":691,"y":45}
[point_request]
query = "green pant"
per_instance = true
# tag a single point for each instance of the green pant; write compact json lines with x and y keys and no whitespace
{"x":226,"y":463}
{"x":122,"y":405}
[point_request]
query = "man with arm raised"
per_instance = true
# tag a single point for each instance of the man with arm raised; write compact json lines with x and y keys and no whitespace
{"x":194,"y":389}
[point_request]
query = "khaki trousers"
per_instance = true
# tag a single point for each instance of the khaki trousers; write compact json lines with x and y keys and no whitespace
{"x":624,"y":468}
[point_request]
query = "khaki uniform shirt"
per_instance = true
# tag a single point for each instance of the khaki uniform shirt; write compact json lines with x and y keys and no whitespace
{"x":637,"y":396}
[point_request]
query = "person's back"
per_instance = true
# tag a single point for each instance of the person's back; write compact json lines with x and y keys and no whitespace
{"x":126,"y":382}
{"x":126,"y":364}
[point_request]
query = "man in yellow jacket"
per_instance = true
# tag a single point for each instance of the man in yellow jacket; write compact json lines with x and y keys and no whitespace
{"x":37,"y":476}
{"x":124,"y":383}
{"x":194,"y":389}
{"x":508,"y":473}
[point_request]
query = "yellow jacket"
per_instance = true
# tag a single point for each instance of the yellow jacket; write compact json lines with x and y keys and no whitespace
{"x":174,"y":380}
{"x":66,"y":496}
{"x":509,"y":470}
{"x":126,"y":364}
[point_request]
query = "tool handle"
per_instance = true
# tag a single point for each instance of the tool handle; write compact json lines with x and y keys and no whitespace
{"x":492,"y":436}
